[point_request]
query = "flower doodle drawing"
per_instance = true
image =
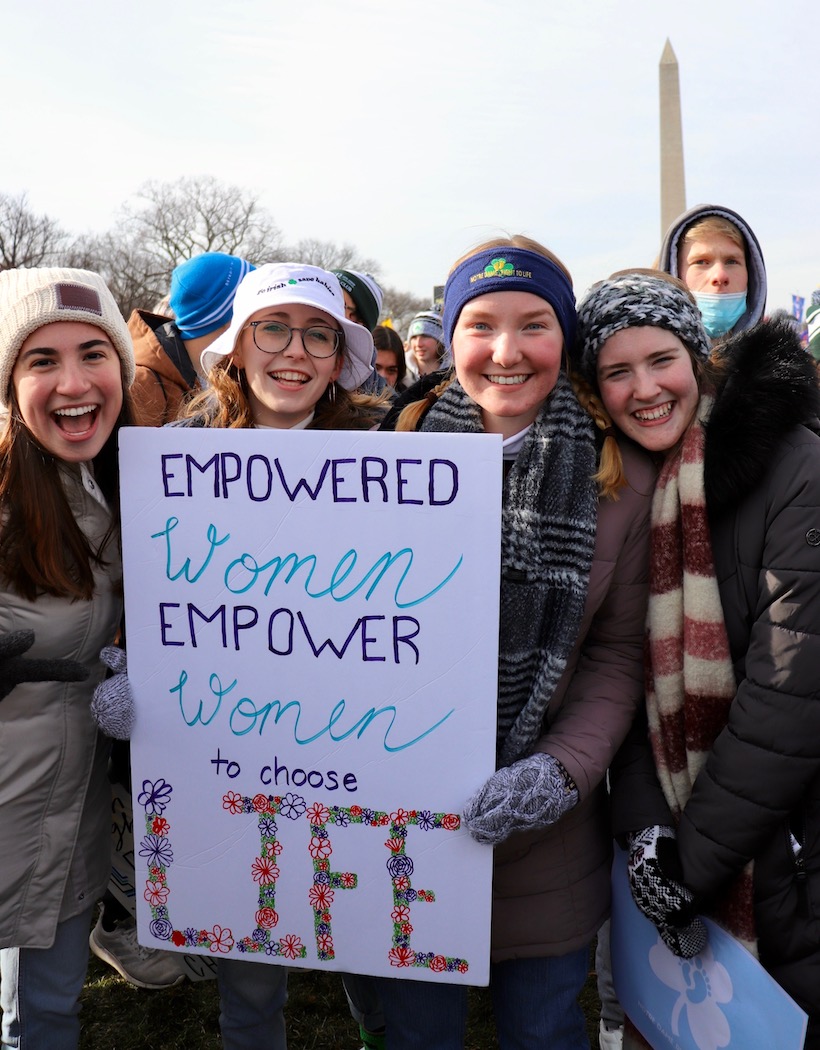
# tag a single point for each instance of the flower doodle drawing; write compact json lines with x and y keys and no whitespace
{"x":702,"y":984}
{"x":155,"y":847}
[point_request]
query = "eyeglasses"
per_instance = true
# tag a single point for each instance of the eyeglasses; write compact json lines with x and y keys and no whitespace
{"x":272,"y":337}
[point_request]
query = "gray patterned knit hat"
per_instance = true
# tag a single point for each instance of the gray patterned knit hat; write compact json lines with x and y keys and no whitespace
{"x":634,"y":300}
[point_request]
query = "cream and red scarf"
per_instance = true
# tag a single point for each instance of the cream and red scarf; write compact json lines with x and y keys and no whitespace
{"x":690,"y":681}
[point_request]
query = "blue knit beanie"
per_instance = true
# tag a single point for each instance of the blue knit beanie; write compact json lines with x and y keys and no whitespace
{"x":202,"y":291}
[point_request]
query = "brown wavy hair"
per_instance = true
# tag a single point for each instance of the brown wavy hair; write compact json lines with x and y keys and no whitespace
{"x":44,"y":550}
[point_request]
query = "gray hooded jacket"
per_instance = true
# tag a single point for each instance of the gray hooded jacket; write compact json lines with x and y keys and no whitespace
{"x":756,"y":293}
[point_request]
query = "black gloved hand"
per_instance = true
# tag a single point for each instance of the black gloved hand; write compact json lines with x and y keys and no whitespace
{"x":656,"y":882}
{"x":15,"y":668}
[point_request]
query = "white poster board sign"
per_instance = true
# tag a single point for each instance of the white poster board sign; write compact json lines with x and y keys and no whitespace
{"x":312,"y":635}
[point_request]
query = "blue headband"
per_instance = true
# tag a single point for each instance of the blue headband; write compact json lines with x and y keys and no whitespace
{"x":509,"y":270}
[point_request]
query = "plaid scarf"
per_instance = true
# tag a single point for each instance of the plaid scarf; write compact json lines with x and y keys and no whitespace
{"x":548,"y":528}
{"x":690,"y":679}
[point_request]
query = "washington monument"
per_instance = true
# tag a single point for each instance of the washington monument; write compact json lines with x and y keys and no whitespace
{"x":673,"y":186}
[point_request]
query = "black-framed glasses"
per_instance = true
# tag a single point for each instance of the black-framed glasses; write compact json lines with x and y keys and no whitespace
{"x":272,"y":337}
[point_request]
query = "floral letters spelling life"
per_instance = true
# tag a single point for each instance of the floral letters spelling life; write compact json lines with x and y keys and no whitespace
{"x":155,"y":798}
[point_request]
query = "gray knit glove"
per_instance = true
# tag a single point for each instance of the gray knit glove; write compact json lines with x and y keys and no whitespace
{"x":113,"y":702}
{"x":656,"y":882}
{"x":16,"y":669}
{"x":531,"y":793}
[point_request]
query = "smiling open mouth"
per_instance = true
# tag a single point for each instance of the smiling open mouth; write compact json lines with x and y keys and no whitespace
{"x":76,"y":420}
{"x":647,"y":415}
{"x":290,"y":377}
{"x":507,"y":380}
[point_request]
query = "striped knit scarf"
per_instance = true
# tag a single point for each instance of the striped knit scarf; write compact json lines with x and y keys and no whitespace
{"x":690,"y":680}
{"x":548,"y":530}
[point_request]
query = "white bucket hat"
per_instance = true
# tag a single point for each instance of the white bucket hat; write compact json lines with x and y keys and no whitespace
{"x":286,"y":284}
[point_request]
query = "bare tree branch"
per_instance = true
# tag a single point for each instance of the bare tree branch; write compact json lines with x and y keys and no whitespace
{"x":27,"y":239}
{"x":332,"y":256}
{"x":401,"y":307}
{"x":177,"y":220}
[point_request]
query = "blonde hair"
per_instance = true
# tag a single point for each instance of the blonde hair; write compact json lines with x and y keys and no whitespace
{"x":708,"y":227}
{"x":610,"y":476}
{"x":518,"y":240}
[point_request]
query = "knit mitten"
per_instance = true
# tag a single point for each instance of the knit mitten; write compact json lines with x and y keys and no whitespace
{"x":531,"y":793}
{"x":113,"y":702}
{"x":655,"y":879}
{"x":15,"y":668}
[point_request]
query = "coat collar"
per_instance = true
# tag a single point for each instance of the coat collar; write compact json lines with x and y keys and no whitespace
{"x":769,"y":387}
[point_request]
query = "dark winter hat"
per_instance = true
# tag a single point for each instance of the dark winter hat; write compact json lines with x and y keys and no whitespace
{"x":635,"y":300}
{"x":365,"y":293}
{"x":202,"y":291}
{"x":31,"y":298}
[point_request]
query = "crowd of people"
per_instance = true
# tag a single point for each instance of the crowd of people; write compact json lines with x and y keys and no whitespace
{"x":659,"y":632}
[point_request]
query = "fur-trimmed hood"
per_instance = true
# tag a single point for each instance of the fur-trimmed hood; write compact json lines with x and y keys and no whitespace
{"x":770,"y":387}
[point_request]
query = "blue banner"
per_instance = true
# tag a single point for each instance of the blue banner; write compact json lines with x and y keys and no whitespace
{"x":723,"y":997}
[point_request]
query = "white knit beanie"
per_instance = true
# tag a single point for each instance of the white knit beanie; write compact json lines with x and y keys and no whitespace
{"x":31,"y":298}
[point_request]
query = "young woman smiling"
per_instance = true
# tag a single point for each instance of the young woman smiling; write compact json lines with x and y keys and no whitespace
{"x":733,"y":627}
{"x":290,"y":360}
{"x":573,"y":596}
{"x":65,"y":365}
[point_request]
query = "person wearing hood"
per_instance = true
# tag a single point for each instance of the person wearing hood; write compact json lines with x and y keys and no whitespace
{"x":714,"y":251}
{"x":425,"y":344}
{"x":720,"y":803}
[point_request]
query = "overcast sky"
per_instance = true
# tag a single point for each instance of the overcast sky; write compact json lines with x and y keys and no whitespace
{"x":415,"y":128}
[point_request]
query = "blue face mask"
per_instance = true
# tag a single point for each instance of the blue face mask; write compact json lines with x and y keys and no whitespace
{"x":720,"y":313}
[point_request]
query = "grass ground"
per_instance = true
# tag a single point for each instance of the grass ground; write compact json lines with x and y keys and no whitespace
{"x":117,"y":1016}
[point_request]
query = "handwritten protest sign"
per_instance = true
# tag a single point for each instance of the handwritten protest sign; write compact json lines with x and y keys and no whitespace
{"x":312,"y":625}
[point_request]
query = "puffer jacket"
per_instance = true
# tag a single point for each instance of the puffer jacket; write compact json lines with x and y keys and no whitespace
{"x":55,"y":798}
{"x":159,"y":387}
{"x":756,"y":291}
{"x":761,"y":782}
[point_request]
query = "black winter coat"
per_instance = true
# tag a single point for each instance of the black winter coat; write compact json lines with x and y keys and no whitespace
{"x":761,"y":783}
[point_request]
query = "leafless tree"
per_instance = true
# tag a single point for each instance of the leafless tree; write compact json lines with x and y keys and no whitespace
{"x":166,"y":224}
{"x":169,"y":223}
{"x":331,"y":256}
{"x":27,"y":239}
{"x":174,"y":221}
{"x":137,"y":279}
{"x":401,"y":307}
